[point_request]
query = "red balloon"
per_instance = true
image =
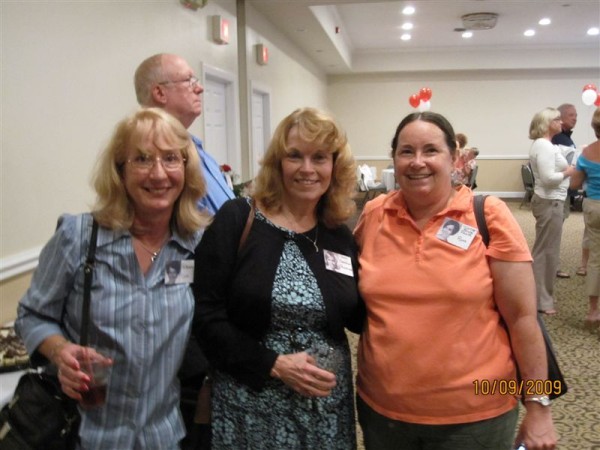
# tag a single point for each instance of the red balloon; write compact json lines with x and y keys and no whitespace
{"x":590,"y":86}
{"x":414,"y":100}
{"x":597,"y":102}
{"x":425,"y":94}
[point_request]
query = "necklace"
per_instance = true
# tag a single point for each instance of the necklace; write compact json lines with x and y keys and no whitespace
{"x":314,"y":243}
{"x":154,"y":255}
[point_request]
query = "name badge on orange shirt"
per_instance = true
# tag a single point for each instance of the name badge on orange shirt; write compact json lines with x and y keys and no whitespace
{"x":456,"y":233}
{"x":337,"y":262}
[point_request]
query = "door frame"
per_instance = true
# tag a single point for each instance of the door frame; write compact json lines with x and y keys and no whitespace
{"x":232,"y":115}
{"x":265,"y":92}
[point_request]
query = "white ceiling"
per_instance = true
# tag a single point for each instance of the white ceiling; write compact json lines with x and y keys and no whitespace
{"x":368,"y":33}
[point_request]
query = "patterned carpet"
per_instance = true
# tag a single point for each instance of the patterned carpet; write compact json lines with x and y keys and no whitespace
{"x":576,"y":414}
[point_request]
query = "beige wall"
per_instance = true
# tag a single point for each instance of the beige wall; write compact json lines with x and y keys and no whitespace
{"x":493,"y":108}
{"x":11,"y":291}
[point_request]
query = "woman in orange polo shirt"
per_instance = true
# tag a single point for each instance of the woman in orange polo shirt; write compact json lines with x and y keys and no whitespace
{"x":435,"y":365}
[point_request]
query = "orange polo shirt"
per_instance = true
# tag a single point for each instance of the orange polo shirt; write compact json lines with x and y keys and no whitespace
{"x":433,"y":333}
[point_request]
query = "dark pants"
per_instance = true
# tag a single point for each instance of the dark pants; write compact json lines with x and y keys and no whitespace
{"x":197,"y":435}
{"x":382,"y":433}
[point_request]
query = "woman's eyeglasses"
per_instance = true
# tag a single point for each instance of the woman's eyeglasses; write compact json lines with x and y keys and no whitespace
{"x":144,"y":163}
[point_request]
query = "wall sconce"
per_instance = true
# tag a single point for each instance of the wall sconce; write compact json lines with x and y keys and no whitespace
{"x":220,"y":30}
{"x":262,"y":54}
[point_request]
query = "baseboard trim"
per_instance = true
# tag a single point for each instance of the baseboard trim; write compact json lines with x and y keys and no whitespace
{"x":19,"y":264}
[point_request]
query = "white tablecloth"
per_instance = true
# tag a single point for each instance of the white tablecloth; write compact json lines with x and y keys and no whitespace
{"x":8,"y":383}
{"x":387,"y":177}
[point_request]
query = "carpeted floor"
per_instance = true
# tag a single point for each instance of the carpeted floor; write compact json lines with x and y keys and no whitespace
{"x":576,"y":414}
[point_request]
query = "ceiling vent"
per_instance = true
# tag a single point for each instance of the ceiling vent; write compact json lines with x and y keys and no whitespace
{"x":479,"y":21}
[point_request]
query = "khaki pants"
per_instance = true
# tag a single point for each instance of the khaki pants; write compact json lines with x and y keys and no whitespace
{"x":549,"y":216}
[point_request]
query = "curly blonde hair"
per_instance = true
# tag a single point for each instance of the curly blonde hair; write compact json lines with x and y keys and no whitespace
{"x":337,"y":204}
{"x":113,"y":208}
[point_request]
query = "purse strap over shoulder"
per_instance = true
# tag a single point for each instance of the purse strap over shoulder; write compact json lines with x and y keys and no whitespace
{"x":88,"y":271}
{"x":247,"y":227}
{"x":479,"y":209}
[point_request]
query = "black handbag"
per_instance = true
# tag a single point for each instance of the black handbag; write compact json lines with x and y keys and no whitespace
{"x":40,"y":416}
{"x":555,"y":377}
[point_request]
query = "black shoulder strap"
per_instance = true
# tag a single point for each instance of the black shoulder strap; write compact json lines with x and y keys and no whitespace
{"x":479,"y":209}
{"x":88,"y":271}
{"x":247,"y":227}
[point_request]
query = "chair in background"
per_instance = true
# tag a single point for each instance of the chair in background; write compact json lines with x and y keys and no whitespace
{"x":369,"y":191}
{"x":528,"y":182}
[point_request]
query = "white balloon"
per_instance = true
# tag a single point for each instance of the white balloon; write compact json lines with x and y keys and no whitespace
{"x":588,"y":97}
{"x":425,"y":106}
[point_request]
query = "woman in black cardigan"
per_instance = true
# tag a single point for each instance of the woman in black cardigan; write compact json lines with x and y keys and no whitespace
{"x":270,"y":311}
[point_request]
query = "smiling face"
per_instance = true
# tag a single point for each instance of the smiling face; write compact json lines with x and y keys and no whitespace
{"x":306,"y":169}
{"x":447,"y":230}
{"x":153,"y":191}
{"x":423,"y":162}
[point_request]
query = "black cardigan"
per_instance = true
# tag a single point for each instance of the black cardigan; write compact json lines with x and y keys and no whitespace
{"x":233,"y":292}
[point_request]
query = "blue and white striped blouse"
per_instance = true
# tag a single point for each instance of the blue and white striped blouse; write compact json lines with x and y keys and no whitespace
{"x":142,"y":322}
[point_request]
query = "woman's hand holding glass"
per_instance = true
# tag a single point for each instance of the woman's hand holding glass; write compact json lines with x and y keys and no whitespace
{"x":68,"y":360}
{"x":300,"y":372}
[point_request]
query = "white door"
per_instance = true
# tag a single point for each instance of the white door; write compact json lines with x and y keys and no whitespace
{"x":221,"y":116}
{"x":215,"y":120}
{"x":261,"y":125}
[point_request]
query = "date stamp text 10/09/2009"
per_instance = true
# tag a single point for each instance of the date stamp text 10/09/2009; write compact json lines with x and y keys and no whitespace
{"x":517,"y":387}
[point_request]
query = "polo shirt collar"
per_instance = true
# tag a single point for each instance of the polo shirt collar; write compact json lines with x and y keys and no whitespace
{"x":460,"y":203}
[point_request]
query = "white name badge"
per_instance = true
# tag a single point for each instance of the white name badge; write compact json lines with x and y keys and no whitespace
{"x":179,"y":272}
{"x":457,"y":233}
{"x":337,"y":262}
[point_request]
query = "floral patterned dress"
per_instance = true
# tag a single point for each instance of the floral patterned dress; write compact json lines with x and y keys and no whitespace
{"x":277,"y":417}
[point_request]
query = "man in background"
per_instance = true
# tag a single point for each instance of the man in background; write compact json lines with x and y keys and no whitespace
{"x":568,"y":117}
{"x":167,"y":81}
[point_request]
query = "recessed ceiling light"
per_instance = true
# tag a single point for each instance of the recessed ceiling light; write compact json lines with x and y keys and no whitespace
{"x":529,"y":33}
{"x":545,"y":21}
{"x":408,"y":10}
{"x":405,"y":37}
{"x":593,"y":31}
{"x":407,"y":26}
{"x":467,"y":35}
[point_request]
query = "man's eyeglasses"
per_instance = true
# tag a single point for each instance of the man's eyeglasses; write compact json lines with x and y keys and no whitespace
{"x":192,"y":82}
{"x":144,"y":163}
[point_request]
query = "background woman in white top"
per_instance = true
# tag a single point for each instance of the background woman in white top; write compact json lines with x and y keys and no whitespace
{"x":551,"y":172}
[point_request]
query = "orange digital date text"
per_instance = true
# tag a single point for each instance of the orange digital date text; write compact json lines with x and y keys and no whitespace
{"x":517,"y":387}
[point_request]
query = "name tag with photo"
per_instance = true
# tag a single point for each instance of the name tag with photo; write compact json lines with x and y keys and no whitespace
{"x":179,"y":272}
{"x":456,"y":233}
{"x":337,"y":262}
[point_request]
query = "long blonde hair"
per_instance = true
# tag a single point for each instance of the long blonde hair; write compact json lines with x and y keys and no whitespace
{"x":337,"y":204}
{"x":113,"y":208}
